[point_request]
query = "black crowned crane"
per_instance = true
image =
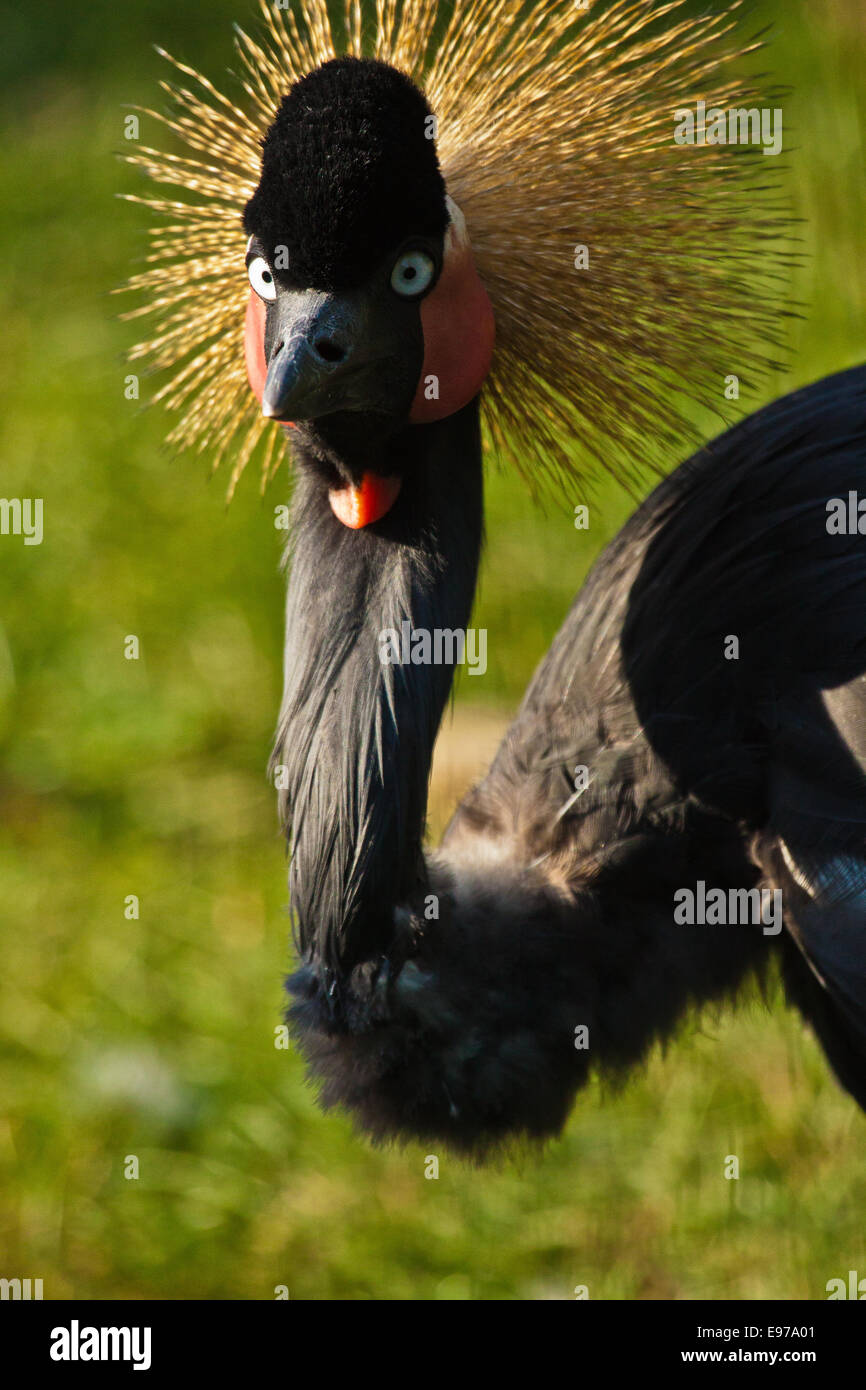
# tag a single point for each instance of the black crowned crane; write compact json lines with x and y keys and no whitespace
{"x":694,"y":742}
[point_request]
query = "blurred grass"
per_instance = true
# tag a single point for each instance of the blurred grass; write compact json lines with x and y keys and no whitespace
{"x":154,"y":1037}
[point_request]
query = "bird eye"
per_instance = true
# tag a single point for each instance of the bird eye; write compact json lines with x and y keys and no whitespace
{"x":261,"y":278}
{"x":413,"y":273}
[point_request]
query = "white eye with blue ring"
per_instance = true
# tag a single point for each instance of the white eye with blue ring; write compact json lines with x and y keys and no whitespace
{"x":261,"y":278}
{"x":412,"y":273}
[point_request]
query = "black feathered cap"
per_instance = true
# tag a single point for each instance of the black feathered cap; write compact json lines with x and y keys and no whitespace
{"x":348,"y":172}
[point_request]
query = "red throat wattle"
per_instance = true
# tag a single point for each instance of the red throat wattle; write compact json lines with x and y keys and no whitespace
{"x":368,"y":502}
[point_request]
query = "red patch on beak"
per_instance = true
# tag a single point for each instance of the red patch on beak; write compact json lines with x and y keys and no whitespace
{"x":360,"y":506}
{"x":459,"y":331}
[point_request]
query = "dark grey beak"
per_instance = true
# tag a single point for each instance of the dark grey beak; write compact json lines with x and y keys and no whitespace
{"x":328,"y":352}
{"x":314,"y":345}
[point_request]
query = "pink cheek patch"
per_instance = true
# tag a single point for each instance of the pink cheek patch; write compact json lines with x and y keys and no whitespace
{"x":254,"y":348}
{"x":254,"y":345}
{"x":459,"y":332}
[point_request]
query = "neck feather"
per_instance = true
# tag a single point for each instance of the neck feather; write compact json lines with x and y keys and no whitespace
{"x":355,"y":736}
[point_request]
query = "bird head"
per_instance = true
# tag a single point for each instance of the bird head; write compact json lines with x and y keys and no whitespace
{"x":622,"y":266}
{"x":364,"y":297}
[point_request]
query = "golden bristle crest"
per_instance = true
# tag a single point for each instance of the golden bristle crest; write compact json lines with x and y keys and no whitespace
{"x":555,"y":130}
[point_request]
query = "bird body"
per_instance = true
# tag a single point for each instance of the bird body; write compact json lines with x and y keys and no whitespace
{"x":697,"y":731}
{"x":556,"y":910}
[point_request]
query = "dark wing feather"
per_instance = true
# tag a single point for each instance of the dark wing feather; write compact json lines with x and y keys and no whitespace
{"x":681,"y":740}
{"x":814,"y":850}
{"x":778,"y":736}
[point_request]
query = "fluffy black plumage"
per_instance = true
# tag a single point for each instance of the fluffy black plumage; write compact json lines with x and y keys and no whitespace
{"x":557,"y":911}
{"x":472,"y":1041}
{"x":348,"y":173}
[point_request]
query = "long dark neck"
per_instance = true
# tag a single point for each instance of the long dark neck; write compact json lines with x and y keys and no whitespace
{"x":355,"y":736}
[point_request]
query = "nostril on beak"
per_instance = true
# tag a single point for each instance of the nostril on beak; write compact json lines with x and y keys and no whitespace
{"x":329,"y":350}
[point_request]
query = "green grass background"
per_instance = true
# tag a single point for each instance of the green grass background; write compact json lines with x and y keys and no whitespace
{"x":155,"y":1037}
